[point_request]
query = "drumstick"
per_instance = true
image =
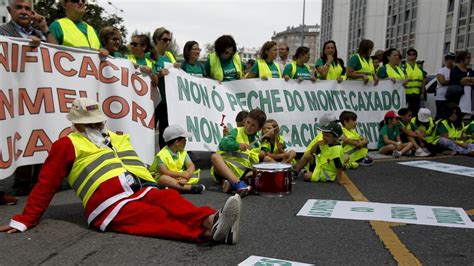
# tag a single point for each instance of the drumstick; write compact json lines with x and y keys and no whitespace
{"x":222,"y":120}
{"x":260,"y":139}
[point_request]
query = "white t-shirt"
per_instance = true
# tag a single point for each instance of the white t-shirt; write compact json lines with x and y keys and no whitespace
{"x":440,"y":89}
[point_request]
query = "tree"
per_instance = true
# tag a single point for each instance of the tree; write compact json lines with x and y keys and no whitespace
{"x":94,"y":16}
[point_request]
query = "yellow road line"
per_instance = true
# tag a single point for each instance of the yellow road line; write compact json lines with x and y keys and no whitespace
{"x":390,"y":240}
{"x":470,"y":212}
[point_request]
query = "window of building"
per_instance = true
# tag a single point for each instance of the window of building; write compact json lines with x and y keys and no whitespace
{"x":450,"y":5}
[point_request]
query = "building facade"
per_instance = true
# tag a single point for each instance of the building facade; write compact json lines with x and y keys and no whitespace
{"x":4,"y":16}
{"x":459,"y":27}
{"x":292,"y":37}
{"x":248,"y":53}
{"x":401,"y":24}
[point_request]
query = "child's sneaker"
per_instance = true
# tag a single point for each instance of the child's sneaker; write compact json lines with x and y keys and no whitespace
{"x":352,"y":165}
{"x":302,"y":172}
{"x":7,"y":199}
{"x":197,"y":189}
{"x":227,"y":219}
{"x":241,"y":188}
{"x":421,"y":153}
{"x":366,"y":161}
{"x":397,"y":154}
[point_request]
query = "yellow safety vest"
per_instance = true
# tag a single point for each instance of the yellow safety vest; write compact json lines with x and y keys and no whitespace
{"x":73,"y":37}
{"x":268,"y":145}
{"x":430,"y":132}
{"x":170,"y":57}
{"x":355,"y":153}
{"x":468,"y":136}
{"x":453,"y":133}
{"x":216,"y":69}
{"x":415,"y":79}
{"x":239,"y":161}
{"x":264,"y":70}
{"x":334,"y":72}
{"x":94,"y":165}
{"x":397,"y":74}
{"x":149,"y":62}
{"x":293,"y":69}
{"x":367,"y":68}
{"x":325,"y":167}
{"x":173,"y":165}
{"x":316,"y":139}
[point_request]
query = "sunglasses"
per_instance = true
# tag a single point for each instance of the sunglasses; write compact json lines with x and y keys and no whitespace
{"x":166,"y":39}
{"x":135,"y":44}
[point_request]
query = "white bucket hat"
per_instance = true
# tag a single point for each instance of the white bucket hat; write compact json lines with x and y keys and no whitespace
{"x":424,"y":115}
{"x":326,"y":119}
{"x":85,"y":111}
{"x":174,"y":132}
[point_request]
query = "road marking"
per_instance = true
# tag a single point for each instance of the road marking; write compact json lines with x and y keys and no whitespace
{"x":410,"y":158}
{"x":390,"y":240}
{"x":470,"y":212}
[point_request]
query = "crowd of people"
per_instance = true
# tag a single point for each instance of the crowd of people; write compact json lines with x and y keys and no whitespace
{"x":117,"y":188}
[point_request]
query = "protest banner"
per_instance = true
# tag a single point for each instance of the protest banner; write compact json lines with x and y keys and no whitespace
{"x":38,"y":85}
{"x":400,"y":213}
{"x":197,"y":105}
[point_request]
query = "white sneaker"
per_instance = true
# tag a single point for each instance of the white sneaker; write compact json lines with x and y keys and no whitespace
{"x":397,"y":154}
{"x":421,"y":153}
{"x":226,"y":219}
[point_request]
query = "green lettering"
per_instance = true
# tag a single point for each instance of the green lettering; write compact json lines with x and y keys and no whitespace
{"x":295,"y":137}
{"x":447,"y":216}
{"x":265,"y":100}
{"x":312,"y":101}
{"x":232,"y":101}
{"x":193,"y":126}
{"x":276,"y":100}
{"x":290,"y":104}
{"x":362,"y":209}
{"x":403,"y":213}
{"x":183,"y":88}
{"x":322,"y":100}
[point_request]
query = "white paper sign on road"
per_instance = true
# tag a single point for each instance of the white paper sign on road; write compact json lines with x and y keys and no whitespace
{"x":442,"y":167}
{"x":262,"y":261}
{"x":400,"y":213}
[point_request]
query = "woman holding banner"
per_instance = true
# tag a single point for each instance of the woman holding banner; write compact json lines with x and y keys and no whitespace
{"x":329,"y":66}
{"x":265,"y":67}
{"x":191,"y":65}
{"x":224,"y":64}
{"x":360,"y":66}
{"x":391,"y":67}
{"x":111,"y":40}
{"x":298,"y":69}
{"x":140,"y":46}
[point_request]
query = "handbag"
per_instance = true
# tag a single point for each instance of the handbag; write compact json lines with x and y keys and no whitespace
{"x":454,"y":92}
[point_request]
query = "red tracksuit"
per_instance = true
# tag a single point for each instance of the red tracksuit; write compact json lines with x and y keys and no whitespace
{"x":114,"y":206}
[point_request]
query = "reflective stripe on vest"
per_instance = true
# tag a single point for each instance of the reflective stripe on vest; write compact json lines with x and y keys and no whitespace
{"x":367,"y":68}
{"x":334,"y":72}
{"x":453,"y":133}
{"x":396,"y":73}
{"x":293,"y":69}
{"x":173,"y":165}
{"x":132,"y":58}
{"x":216,"y":69}
{"x":73,"y":37}
{"x":325,"y":169}
{"x":170,"y":57}
{"x":415,"y":79}
{"x":94,"y":165}
{"x":264,"y":70}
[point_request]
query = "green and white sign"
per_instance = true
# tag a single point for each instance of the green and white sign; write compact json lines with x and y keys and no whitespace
{"x":262,"y":261}
{"x":442,"y":167}
{"x":197,"y":104}
{"x":400,"y":213}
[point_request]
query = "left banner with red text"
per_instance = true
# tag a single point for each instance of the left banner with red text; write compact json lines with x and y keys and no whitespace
{"x":38,"y":85}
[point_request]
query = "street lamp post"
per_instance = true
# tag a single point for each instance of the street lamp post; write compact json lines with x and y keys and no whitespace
{"x":302,"y":26}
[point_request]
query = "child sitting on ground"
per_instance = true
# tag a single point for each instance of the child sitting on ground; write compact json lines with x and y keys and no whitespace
{"x":239,"y":121}
{"x":172,"y":166}
{"x":389,"y":136}
{"x":273,"y":144}
{"x":307,"y":161}
{"x":426,"y":130}
{"x":237,"y":152}
{"x":409,"y":133}
{"x":329,"y":155}
{"x":354,"y":144}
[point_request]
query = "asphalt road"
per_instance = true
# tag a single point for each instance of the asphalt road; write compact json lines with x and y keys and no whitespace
{"x":269,"y":226}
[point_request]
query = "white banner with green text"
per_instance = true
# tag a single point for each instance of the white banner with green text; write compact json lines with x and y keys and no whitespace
{"x":198,"y":105}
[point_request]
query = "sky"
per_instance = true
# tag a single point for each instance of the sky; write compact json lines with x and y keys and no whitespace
{"x":251,"y":23}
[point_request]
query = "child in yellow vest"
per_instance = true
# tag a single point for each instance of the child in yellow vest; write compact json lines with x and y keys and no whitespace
{"x":306,"y":163}
{"x":273,"y":144}
{"x":329,"y":156}
{"x":238,"y":151}
{"x":409,"y":132}
{"x":239,"y":121}
{"x":172,"y":166}
{"x":354,"y":144}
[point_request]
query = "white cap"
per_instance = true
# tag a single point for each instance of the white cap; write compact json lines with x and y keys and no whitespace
{"x":174,"y":132}
{"x":85,"y":111}
{"x":424,"y":115}
{"x":326,"y":119}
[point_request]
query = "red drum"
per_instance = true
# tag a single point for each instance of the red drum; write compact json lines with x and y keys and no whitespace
{"x":272,"y":179}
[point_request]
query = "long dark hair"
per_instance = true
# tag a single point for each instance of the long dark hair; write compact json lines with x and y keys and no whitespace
{"x":302,"y":50}
{"x":187,"y":49}
{"x":364,"y":47}
{"x":324,"y":57}
{"x":387,"y":54}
